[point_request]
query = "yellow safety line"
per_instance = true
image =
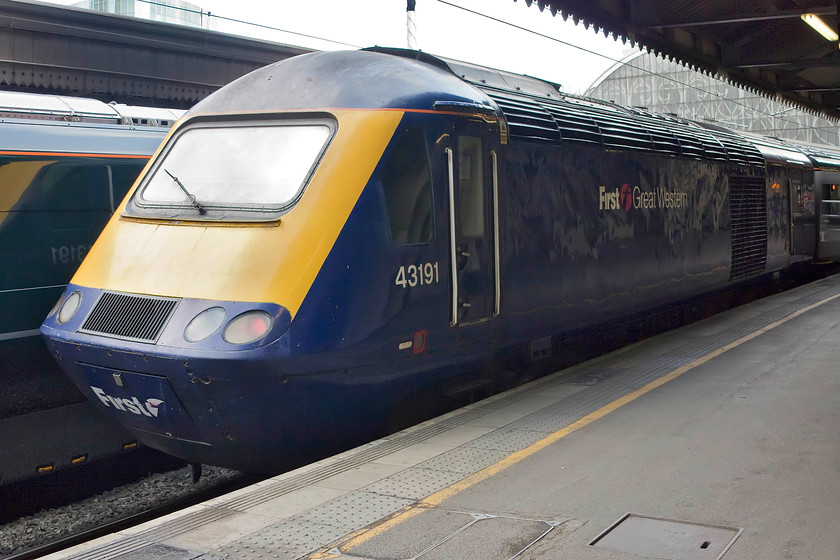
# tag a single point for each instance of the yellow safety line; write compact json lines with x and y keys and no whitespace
{"x":438,"y":497}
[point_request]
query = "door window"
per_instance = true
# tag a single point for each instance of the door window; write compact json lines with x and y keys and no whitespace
{"x":471,"y":186}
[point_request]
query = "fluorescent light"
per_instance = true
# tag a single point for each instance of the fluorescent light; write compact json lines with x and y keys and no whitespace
{"x":820,"y":26}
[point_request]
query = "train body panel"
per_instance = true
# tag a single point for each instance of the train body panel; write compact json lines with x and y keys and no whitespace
{"x":444,"y":223}
{"x":38,"y":202}
{"x":570,"y":251}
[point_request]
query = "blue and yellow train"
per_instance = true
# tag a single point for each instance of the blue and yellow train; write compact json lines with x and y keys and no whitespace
{"x":327,"y":238}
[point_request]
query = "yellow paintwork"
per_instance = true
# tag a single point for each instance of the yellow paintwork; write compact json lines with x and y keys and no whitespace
{"x":15,"y":178}
{"x":274,"y":262}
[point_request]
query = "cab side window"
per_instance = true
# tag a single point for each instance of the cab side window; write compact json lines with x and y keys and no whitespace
{"x":407,"y":186}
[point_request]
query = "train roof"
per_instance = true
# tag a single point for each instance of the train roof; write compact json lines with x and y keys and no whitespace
{"x":31,"y":106}
{"x":50,"y":137}
{"x":343,"y":79}
{"x":35,"y":123}
{"x":534,"y":110}
{"x":822,"y":156}
{"x":786,"y":151}
{"x":776,"y":150}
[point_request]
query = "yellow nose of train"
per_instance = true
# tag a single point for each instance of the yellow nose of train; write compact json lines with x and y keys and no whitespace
{"x":245,"y":249}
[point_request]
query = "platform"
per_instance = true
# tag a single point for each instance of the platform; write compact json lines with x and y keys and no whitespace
{"x":718,"y":440}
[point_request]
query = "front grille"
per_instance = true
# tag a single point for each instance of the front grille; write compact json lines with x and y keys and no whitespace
{"x":129,"y":316}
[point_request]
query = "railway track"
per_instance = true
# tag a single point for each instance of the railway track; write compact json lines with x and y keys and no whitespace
{"x":159,"y":494}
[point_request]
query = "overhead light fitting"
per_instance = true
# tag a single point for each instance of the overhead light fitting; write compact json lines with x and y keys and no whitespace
{"x":820,"y":26}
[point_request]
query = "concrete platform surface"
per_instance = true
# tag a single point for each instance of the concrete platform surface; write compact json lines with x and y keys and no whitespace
{"x":718,"y":440}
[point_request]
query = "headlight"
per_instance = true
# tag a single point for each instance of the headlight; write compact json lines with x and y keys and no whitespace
{"x":248,"y":327}
{"x":69,"y":307}
{"x":204,"y":324}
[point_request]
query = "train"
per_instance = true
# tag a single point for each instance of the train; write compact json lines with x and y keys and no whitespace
{"x":328,"y":241}
{"x":65,"y":165}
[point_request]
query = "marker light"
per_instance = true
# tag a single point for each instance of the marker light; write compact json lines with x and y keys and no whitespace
{"x":69,"y":307}
{"x":820,"y":26}
{"x":204,"y":324}
{"x":248,"y":327}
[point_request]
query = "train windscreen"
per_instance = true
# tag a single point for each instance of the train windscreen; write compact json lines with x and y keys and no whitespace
{"x":241,"y":168}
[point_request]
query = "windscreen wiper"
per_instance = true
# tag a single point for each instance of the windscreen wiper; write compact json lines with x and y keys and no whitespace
{"x":191,"y":197}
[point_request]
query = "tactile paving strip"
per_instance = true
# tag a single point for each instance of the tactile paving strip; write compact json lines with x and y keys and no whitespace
{"x":354,"y":511}
{"x":305,"y":532}
{"x":508,"y":439}
{"x":464,"y":460}
{"x":285,"y":541}
{"x":546,"y":421}
{"x":414,"y":483}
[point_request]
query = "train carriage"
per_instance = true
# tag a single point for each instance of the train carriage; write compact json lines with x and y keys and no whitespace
{"x":327,"y":238}
{"x":65,"y":164}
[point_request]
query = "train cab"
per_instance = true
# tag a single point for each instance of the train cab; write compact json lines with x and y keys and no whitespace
{"x":291,"y":240}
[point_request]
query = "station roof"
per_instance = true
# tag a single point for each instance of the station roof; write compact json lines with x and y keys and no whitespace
{"x":763,"y":45}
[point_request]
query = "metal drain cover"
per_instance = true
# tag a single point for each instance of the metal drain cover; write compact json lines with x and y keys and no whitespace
{"x":669,"y":539}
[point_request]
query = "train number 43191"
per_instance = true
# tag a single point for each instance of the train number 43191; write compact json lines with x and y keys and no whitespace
{"x":417,"y":275}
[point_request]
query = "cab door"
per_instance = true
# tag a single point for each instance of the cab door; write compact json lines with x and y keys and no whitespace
{"x":473,"y":224}
{"x":803,"y":221}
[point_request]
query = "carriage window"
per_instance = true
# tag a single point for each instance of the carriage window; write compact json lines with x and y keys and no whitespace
{"x":407,"y":186}
{"x":244,"y":168}
{"x":471,"y":186}
{"x":831,"y":202}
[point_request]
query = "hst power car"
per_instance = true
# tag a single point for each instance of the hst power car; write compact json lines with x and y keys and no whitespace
{"x":341,"y":234}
